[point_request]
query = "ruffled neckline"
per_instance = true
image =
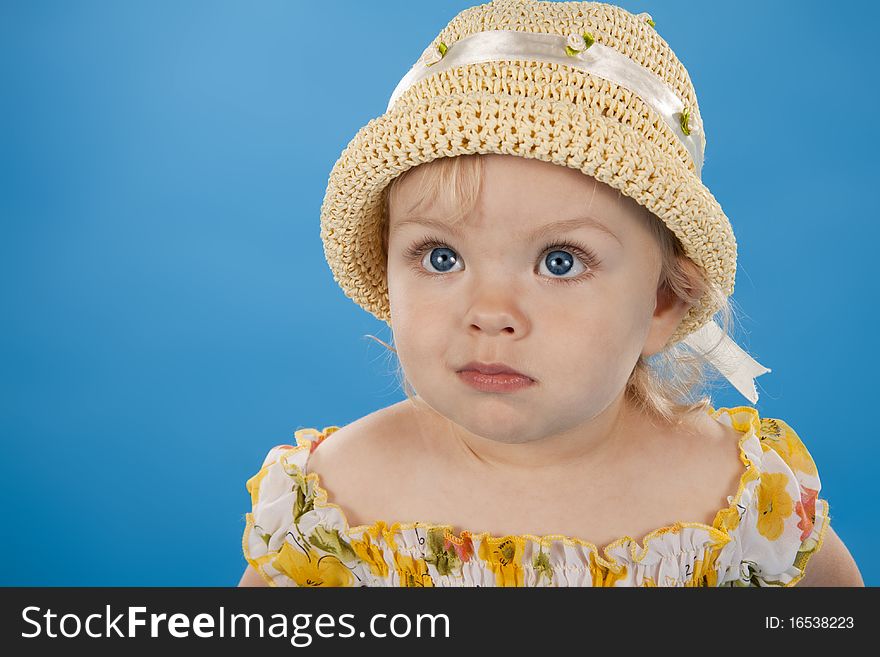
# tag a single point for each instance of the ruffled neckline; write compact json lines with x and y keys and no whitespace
{"x":726,"y":519}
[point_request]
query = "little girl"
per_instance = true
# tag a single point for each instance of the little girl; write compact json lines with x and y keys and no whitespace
{"x":529,"y":219}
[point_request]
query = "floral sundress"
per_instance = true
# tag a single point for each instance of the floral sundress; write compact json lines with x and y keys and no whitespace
{"x":774,"y":523}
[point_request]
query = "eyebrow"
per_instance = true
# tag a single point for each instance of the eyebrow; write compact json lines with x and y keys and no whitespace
{"x":563,"y":225}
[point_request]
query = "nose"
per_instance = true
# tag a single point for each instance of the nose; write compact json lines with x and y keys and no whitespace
{"x":492,"y":326}
{"x":497,"y":313}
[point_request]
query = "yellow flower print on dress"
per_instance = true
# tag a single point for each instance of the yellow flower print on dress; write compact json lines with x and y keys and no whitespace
{"x":774,"y":504}
{"x":771,"y":429}
{"x":788,"y":444}
{"x":728,"y":519}
{"x":412,"y":571}
{"x":602,"y":575}
{"x":379,"y":528}
{"x":504,"y":558}
{"x":310,"y":568}
{"x":800,"y":458}
{"x":371,"y":554}
{"x":705,"y":572}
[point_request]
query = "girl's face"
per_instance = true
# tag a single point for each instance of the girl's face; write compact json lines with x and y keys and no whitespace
{"x":571,"y":307}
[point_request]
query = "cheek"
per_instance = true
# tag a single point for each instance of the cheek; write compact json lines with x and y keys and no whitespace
{"x":421,"y":343}
{"x":413,"y":298}
{"x":400,"y":295}
{"x":404,"y":285}
{"x":403,"y":296}
{"x":602,"y":325}
{"x":418,"y":323}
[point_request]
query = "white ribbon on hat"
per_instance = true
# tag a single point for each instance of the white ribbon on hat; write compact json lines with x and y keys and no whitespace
{"x":602,"y":61}
{"x":727,"y":357}
{"x":737,"y":366}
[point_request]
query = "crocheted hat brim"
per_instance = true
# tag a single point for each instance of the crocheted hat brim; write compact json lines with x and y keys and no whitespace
{"x":415,"y":131}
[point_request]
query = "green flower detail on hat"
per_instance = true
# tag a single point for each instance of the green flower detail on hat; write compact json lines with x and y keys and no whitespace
{"x":433,"y":55}
{"x":645,"y":16}
{"x":684,"y":121}
{"x":577,"y":43}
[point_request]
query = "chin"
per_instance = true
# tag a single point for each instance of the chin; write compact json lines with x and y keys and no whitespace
{"x":494,"y":420}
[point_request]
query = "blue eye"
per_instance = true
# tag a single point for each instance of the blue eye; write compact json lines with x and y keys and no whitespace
{"x":442,"y":258}
{"x":431,"y":257}
{"x":559,"y":262}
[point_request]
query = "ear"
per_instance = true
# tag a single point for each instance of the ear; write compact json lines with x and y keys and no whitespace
{"x":668,"y":313}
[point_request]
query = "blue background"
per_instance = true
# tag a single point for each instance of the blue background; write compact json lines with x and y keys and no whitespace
{"x":167,"y":313}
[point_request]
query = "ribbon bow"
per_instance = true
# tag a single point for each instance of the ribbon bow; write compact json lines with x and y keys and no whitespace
{"x":727,"y":357}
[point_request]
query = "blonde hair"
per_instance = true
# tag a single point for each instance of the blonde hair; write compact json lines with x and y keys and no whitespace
{"x":669,"y":385}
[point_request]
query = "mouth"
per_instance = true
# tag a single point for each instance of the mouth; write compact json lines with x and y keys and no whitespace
{"x":494,"y":377}
{"x":492,"y":368}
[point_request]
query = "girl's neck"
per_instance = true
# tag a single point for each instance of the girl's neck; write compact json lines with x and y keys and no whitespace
{"x":614,"y":436}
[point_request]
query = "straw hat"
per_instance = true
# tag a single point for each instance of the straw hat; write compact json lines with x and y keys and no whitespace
{"x":585,"y":85}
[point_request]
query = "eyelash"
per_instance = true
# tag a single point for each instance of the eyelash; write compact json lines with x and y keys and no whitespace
{"x":586,"y":255}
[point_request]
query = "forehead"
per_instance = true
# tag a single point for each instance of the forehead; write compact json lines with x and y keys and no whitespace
{"x":519,"y":194}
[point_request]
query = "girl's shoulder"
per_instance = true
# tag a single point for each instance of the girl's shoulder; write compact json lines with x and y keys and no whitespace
{"x":358,"y":463}
{"x":360,"y":443}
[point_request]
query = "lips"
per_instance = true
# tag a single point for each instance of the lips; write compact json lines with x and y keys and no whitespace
{"x":492,"y":368}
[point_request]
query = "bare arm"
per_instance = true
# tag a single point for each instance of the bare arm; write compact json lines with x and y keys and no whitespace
{"x":252,"y":578}
{"x":832,"y":565}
